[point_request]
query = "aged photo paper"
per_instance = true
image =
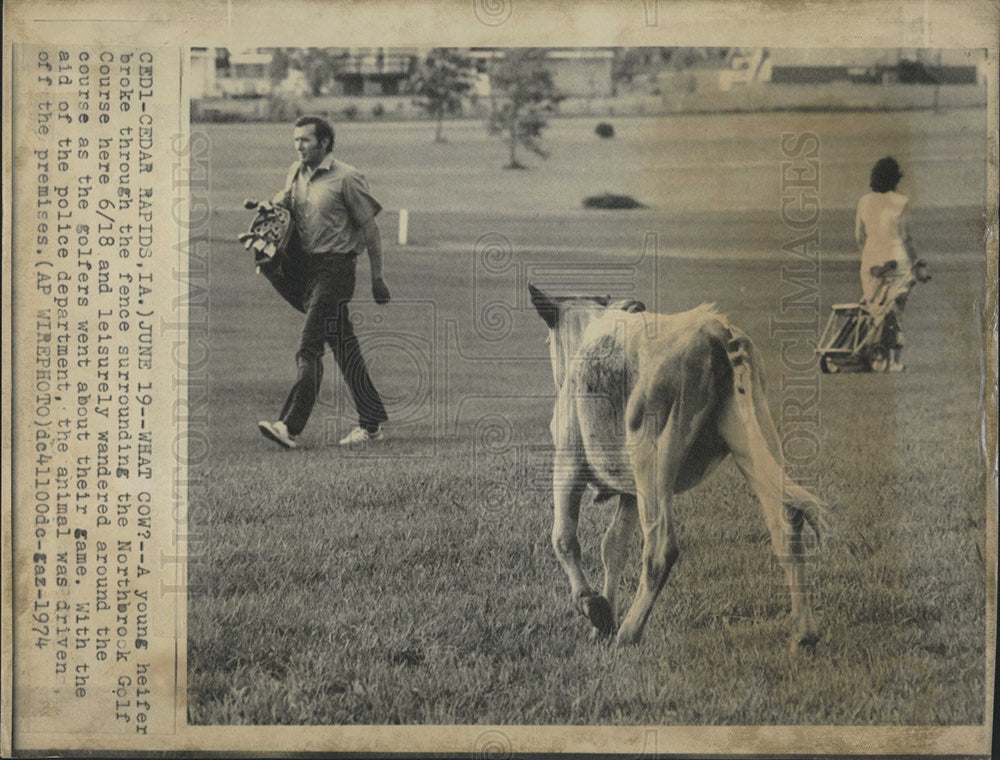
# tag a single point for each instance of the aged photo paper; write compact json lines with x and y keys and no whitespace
{"x":175,"y":581}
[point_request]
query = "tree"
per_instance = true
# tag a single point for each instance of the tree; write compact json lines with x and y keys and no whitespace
{"x":442,"y":83}
{"x":277,"y":69}
{"x":629,"y":63}
{"x":318,"y":66}
{"x":527,"y":95}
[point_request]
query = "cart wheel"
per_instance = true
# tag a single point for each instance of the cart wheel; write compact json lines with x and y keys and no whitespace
{"x":878,"y":360}
{"x":828,"y":366}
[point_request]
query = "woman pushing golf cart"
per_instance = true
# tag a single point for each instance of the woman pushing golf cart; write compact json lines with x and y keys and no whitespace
{"x":868,"y":333}
{"x":882,"y":233}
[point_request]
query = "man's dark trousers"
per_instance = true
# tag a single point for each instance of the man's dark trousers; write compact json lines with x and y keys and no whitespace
{"x":329,"y":288}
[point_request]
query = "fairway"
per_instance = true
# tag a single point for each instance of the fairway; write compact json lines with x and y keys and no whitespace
{"x":415,"y":583}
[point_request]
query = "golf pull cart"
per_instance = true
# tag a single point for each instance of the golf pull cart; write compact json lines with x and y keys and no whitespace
{"x":861,"y":336}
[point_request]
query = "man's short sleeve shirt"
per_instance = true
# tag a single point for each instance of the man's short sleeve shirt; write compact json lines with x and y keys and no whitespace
{"x":330,"y":205}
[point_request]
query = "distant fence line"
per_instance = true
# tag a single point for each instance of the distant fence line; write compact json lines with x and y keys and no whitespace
{"x":683,"y":96}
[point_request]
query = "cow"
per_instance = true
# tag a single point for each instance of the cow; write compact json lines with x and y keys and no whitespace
{"x":647,"y":405}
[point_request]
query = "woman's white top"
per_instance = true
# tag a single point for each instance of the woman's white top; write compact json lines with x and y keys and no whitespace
{"x":881,"y":225}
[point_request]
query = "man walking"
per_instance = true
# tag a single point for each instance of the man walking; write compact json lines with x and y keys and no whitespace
{"x":334,"y":215}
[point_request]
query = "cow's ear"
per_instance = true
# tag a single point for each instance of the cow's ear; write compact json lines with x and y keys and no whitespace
{"x":545,"y":306}
{"x":634,"y":306}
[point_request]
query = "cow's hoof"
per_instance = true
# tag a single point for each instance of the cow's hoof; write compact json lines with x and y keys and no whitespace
{"x":598,"y":612}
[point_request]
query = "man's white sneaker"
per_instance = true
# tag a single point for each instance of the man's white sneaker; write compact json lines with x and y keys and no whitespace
{"x":277,"y":432}
{"x":360,"y":435}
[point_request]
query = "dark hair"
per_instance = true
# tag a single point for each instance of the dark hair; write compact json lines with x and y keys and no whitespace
{"x":321,"y":127}
{"x":885,"y":175}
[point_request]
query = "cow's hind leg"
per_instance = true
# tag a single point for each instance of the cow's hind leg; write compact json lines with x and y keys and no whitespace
{"x":614,"y":548}
{"x":569,"y":484}
{"x":656,"y":465}
{"x":748,"y":430}
{"x":658,"y":452}
{"x":659,"y":550}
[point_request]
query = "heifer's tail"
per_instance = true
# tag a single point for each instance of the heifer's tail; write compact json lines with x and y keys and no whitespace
{"x":757,"y":425}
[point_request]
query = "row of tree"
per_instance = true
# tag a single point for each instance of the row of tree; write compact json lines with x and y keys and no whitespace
{"x":521,"y":90}
{"x":318,"y":65}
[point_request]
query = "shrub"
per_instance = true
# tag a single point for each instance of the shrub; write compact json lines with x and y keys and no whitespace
{"x":612,"y":201}
{"x":279,"y":109}
{"x":216,"y":116}
{"x":604,"y":130}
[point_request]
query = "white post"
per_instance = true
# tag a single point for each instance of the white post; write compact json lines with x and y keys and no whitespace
{"x":404,"y":223}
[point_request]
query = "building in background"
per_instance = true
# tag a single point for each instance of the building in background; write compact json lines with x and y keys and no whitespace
{"x":201,"y":73}
{"x":361,"y":71}
{"x":641,"y":80}
{"x":246,"y":75}
{"x":373,"y":71}
{"x":576,"y":72}
{"x":875,"y":66}
{"x":583,"y":72}
{"x":376,"y":70}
